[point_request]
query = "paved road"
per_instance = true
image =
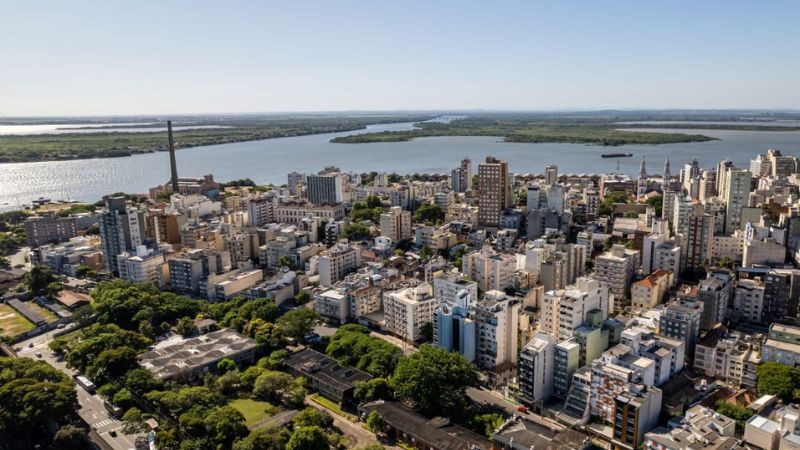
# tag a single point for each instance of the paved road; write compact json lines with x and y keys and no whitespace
{"x":495,"y":398}
{"x":91,"y":409}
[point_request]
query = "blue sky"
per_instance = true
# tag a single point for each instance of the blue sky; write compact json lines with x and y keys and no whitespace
{"x":142,"y":57}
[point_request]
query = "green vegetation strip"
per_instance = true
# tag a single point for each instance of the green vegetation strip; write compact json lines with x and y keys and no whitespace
{"x":331,"y":406}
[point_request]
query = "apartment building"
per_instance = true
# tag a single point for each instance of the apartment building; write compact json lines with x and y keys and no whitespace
{"x":408,"y":311}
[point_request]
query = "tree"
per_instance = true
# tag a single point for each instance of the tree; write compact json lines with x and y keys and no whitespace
{"x":434,"y":380}
{"x":373,"y":389}
{"x":429,"y":213}
{"x":352,"y":345}
{"x":726,"y":263}
{"x":485,"y":423}
{"x":225,"y":425}
{"x":84,"y":271}
{"x":38,"y":279}
{"x":356,"y":232}
{"x":302,"y":297}
{"x":186,"y":326}
{"x":607,"y":205}
{"x":229,"y":382}
{"x":297,"y":323}
{"x":225,"y":365}
{"x":375,"y":422}
{"x":311,"y":417}
{"x":738,"y":413}
{"x":285,"y":261}
{"x":657,"y":203}
{"x":32,"y":394}
{"x":271,"y":385}
{"x":54,"y":288}
{"x":307,"y":438}
{"x":123,"y":399}
{"x":780,"y":380}
{"x":274,"y":438}
{"x":112,"y":363}
{"x":70,"y":437}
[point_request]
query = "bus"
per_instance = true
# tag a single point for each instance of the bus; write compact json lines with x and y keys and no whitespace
{"x":85,"y":383}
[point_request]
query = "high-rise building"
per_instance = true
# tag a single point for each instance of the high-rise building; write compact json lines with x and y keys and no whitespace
{"x":461,"y":178}
{"x":455,"y":290}
{"x":121,"y":230}
{"x":715,"y":292}
{"x":491,"y":270}
{"x":408,"y":311}
{"x":551,"y":174}
{"x":324,"y":189}
{"x":536,"y":369}
{"x":565,"y":310}
{"x":497,"y":317}
{"x":454,"y":330}
{"x":615,"y":270}
{"x":736,"y":195}
{"x":690,"y":179}
{"x":697,"y":236}
{"x":295,"y":183}
{"x":781,"y":166}
{"x":48,"y":228}
{"x":494,"y":191}
{"x":396,"y":224}
{"x":144,"y":266}
{"x":261,"y":210}
{"x":681,"y":320}
{"x":337,"y":262}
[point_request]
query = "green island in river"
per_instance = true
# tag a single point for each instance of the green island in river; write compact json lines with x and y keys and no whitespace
{"x":530,"y":131}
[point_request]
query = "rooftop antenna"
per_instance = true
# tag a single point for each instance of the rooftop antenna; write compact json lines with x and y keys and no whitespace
{"x":173,"y":165}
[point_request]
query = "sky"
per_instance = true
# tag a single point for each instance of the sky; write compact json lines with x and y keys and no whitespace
{"x":161,"y":57}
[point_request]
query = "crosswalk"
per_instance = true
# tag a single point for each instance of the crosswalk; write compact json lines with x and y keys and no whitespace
{"x":105,"y":422}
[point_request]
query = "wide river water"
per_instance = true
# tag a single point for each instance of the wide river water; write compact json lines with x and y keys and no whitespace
{"x":270,"y":160}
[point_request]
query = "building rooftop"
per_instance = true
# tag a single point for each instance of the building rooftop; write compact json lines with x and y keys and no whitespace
{"x":180,"y":355}
{"x":312,"y":363}
{"x":437,"y":432}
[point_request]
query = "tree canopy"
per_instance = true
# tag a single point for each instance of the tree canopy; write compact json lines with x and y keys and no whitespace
{"x":429,"y":213}
{"x":434,"y":380}
{"x":352,"y":345}
{"x":780,"y":380}
{"x":32,"y":393}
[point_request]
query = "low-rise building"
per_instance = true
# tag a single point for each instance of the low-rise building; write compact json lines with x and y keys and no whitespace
{"x":650,"y":291}
{"x":325,"y":375}
{"x":179,"y":358}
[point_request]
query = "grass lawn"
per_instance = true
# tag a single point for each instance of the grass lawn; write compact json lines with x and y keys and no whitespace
{"x":254,"y":411}
{"x":46,"y":313}
{"x":12,"y":323}
{"x":331,"y":406}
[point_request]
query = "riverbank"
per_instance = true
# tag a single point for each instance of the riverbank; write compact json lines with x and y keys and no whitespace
{"x":74,"y":146}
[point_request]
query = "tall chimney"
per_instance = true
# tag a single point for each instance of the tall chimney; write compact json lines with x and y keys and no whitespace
{"x":173,"y":166}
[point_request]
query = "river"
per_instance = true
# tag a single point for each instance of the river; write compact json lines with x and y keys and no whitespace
{"x":269,"y":161}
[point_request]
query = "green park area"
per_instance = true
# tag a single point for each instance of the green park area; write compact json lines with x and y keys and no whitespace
{"x":254,"y":411}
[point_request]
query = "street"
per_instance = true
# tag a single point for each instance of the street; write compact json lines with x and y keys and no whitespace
{"x":495,"y":398}
{"x":91,"y":409}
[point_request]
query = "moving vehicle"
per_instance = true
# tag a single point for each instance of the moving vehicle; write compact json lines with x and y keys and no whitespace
{"x":85,"y":383}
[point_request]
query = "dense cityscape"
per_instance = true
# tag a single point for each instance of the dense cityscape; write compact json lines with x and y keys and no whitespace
{"x":407,"y":225}
{"x":477,"y":309}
